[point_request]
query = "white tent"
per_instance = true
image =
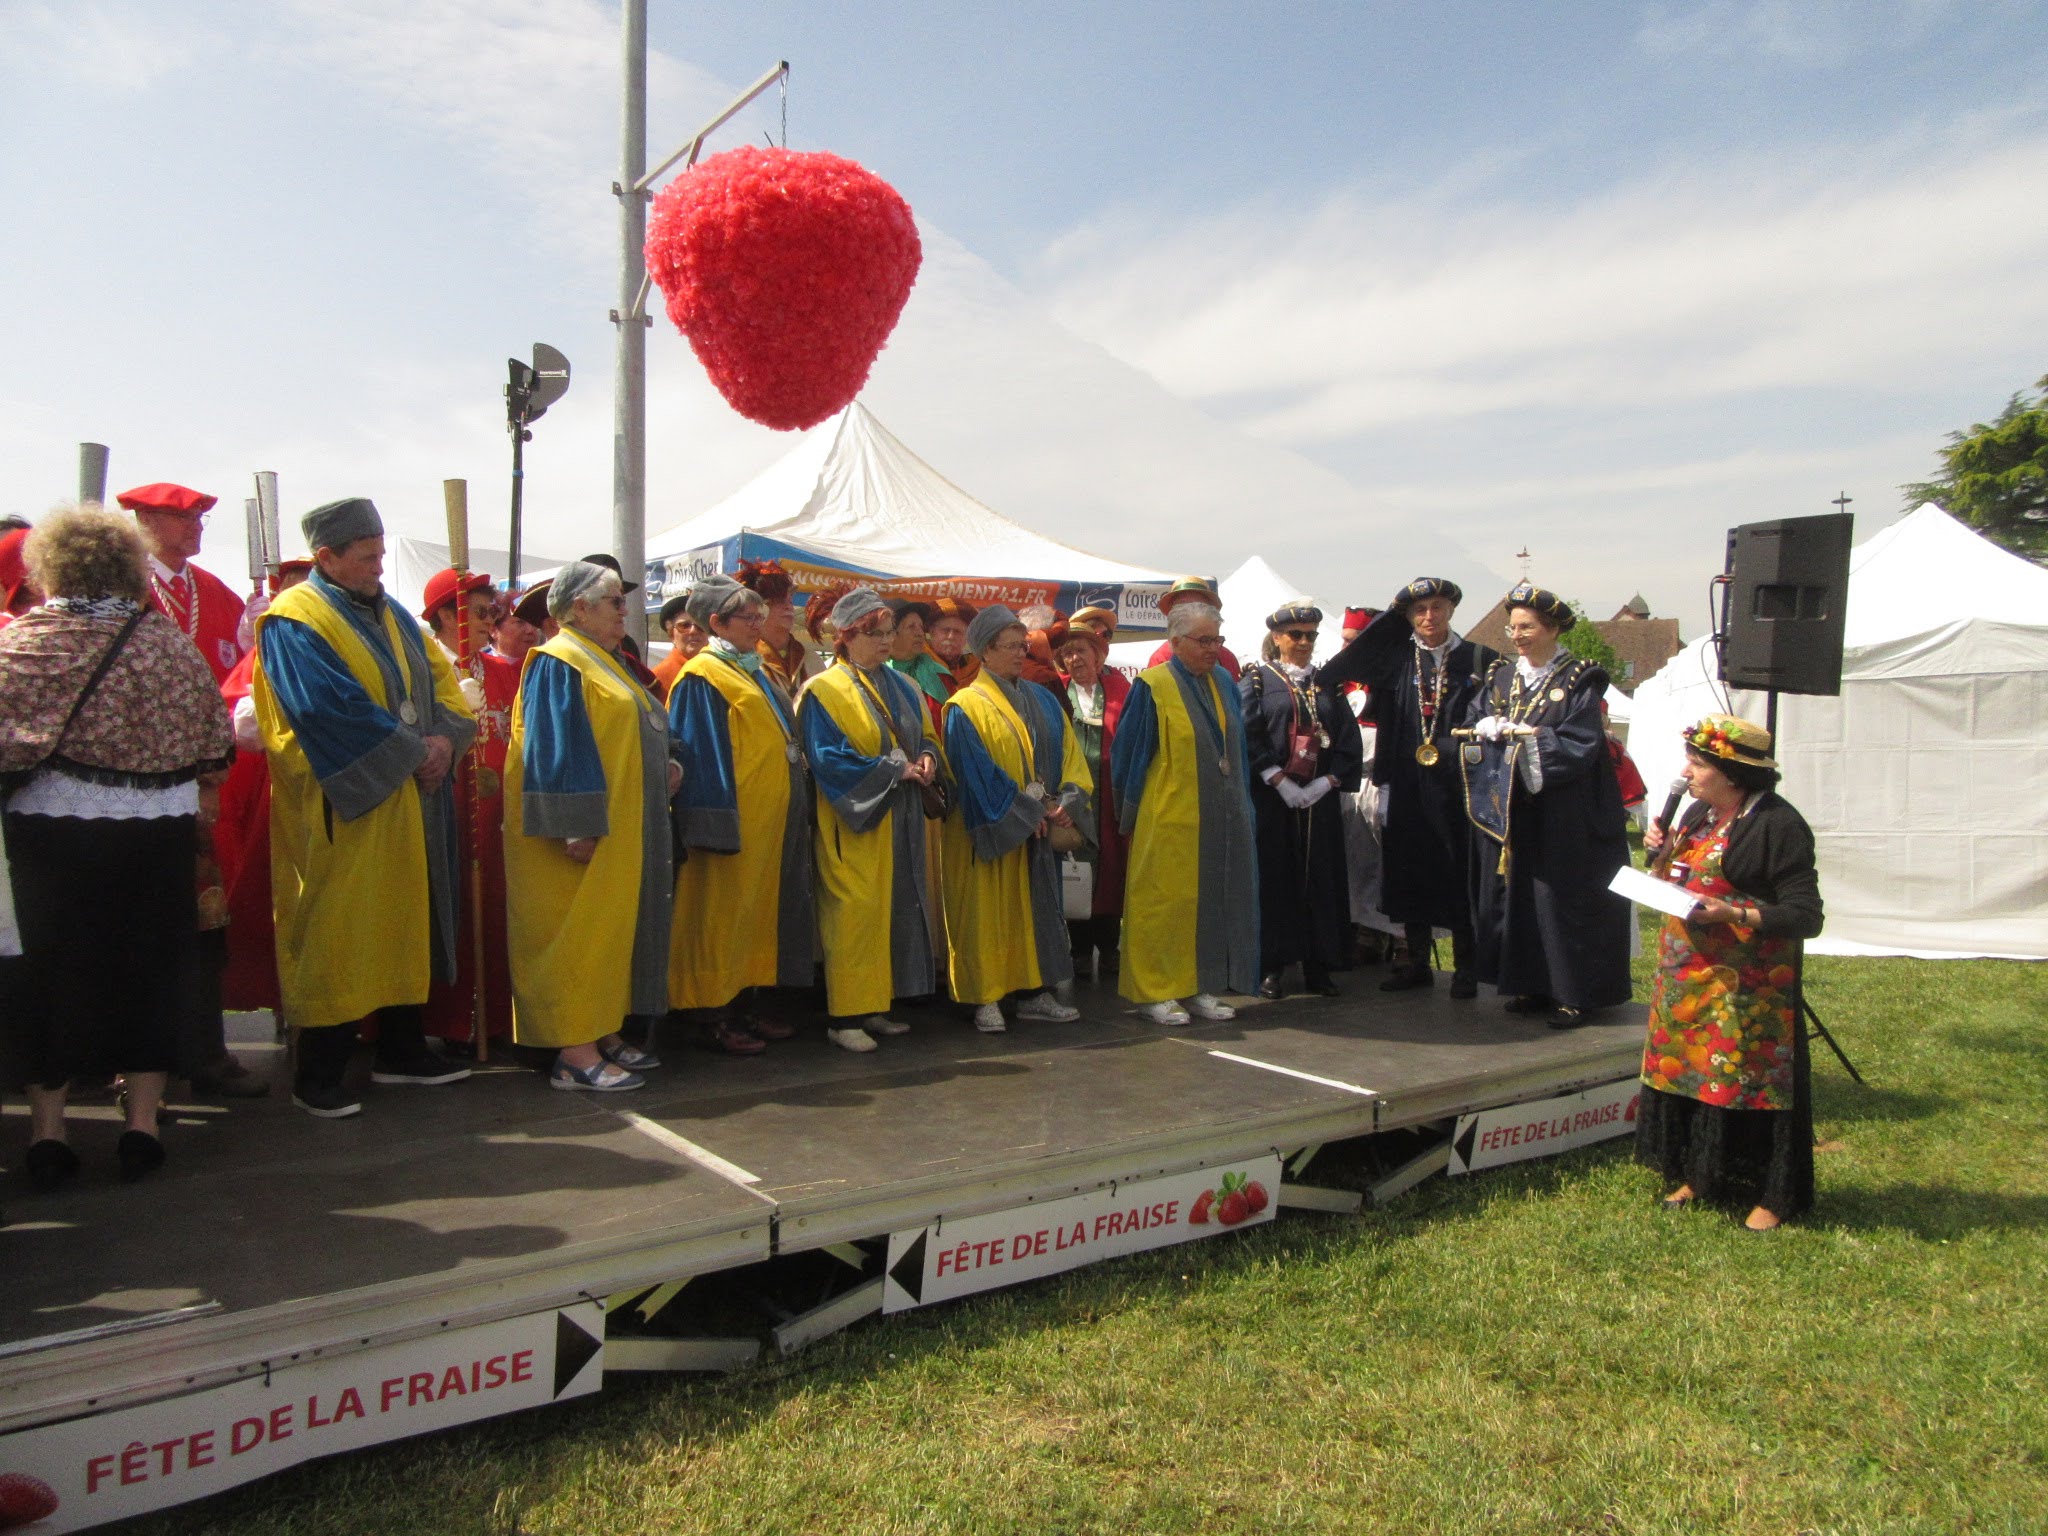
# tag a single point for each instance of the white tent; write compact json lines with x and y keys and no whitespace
{"x":850,"y":500}
{"x":411,"y":564}
{"x":1249,"y":593}
{"x":1926,"y":782}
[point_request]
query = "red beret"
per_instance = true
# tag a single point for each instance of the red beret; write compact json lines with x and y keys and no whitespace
{"x":13,"y":569}
{"x":1357,"y":618}
{"x":165,"y":497}
{"x":442,"y":587}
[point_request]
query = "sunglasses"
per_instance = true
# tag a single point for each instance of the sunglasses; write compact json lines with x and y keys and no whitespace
{"x":1301,"y":634}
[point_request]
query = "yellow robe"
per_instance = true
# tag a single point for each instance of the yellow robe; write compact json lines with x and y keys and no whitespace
{"x":570,"y":927}
{"x":350,"y":898}
{"x":726,"y":933}
{"x":1160,"y":921}
{"x":990,"y":928}
{"x":857,"y":870}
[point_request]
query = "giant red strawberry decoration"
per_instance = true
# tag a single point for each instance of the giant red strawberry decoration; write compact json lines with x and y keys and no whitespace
{"x":786,"y":271}
{"x":24,"y":1500}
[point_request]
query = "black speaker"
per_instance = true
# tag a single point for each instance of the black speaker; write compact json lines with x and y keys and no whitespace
{"x":1786,"y":599}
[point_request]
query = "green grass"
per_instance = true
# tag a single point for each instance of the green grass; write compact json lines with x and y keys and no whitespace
{"x":1537,"y":1349}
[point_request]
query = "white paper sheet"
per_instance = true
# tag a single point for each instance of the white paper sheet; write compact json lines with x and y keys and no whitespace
{"x":1646,"y":890}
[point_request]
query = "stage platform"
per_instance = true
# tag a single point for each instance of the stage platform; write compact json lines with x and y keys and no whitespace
{"x":272,"y":1239}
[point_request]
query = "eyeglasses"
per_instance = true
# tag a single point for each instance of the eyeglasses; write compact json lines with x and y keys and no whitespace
{"x":1206,"y":642}
{"x":1301,"y":634}
{"x":1009,"y":647}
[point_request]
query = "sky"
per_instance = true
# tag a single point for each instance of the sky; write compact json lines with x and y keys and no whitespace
{"x":1371,"y":290}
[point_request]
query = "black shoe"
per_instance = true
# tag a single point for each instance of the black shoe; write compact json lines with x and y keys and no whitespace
{"x":49,"y":1164}
{"x":140,"y":1153}
{"x":1567,"y":1018}
{"x":1270,"y":987}
{"x":1408,"y":977}
{"x":422,"y":1069}
{"x":229,"y":1079}
{"x":1319,"y":982}
{"x":1528,"y":1005}
{"x":1464,"y":985}
{"x":328,"y":1101}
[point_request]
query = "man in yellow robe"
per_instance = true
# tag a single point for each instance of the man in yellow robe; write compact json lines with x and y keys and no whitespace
{"x":743,"y":910}
{"x":362,"y":718}
{"x":1017,"y":771}
{"x":1180,"y":774}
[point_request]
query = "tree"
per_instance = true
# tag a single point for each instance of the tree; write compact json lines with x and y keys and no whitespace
{"x":1582,"y":639}
{"x":1995,"y":476}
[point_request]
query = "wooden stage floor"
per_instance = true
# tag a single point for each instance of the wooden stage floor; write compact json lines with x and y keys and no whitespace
{"x":271,"y":1237}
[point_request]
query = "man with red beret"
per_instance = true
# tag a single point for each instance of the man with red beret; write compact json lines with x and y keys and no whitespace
{"x":172,"y":520}
{"x":490,"y":684}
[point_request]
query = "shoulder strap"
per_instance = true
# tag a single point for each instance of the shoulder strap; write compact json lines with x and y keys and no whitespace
{"x":98,"y":672}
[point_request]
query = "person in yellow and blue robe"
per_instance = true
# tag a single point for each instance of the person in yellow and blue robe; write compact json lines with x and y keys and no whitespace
{"x":1181,"y":774}
{"x":1016,"y":771}
{"x":744,"y":914}
{"x":362,"y":719}
{"x":872,"y":751}
{"x":588,"y":865}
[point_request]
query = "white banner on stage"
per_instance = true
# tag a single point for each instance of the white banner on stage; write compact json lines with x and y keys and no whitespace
{"x":109,"y":1466}
{"x":981,"y":1253}
{"x":1542,"y":1127}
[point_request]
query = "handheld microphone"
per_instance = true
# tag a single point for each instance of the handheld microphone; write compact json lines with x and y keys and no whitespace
{"x":1679,"y":786}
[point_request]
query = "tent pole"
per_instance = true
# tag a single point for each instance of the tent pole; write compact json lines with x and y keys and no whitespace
{"x":629,"y":392}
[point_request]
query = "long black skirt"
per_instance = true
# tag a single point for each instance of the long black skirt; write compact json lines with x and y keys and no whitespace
{"x":109,"y":936}
{"x":1304,"y":886}
{"x":1764,"y":1156}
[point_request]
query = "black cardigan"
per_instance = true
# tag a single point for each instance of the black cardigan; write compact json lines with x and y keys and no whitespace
{"x":1769,"y":860}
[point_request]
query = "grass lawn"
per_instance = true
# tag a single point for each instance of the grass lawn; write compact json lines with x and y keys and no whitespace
{"x":1536,"y":1349}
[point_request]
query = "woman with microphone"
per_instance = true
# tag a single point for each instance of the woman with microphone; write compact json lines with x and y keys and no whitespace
{"x":1729,"y":1097}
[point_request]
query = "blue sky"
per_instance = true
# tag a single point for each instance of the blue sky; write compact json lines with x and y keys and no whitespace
{"x":1366,"y":289}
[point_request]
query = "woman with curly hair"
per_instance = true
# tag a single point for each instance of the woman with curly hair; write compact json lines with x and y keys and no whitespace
{"x":108,"y":720}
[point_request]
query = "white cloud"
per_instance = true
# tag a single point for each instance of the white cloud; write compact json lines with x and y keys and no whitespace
{"x":97,"y":45}
{"x":1807,"y":32}
{"x":1711,"y":283}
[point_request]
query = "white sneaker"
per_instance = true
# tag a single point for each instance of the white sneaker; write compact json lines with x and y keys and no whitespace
{"x":855,"y":1040}
{"x":988,"y":1018}
{"x":1202,"y":1005}
{"x":882,"y":1024}
{"x":1044,"y":1005}
{"x":1168,"y":1012}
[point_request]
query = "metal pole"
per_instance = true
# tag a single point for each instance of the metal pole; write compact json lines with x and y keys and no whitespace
{"x":92,"y":472}
{"x":518,"y":505}
{"x":629,"y":390}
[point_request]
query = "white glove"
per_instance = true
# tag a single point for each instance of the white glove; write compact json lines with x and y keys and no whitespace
{"x":248,"y":734}
{"x":472,"y":694}
{"x":1490,"y":729}
{"x":1291,"y":794}
{"x":1271,"y":776}
{"x":1315,"y":791}
{"x":245,"y":631}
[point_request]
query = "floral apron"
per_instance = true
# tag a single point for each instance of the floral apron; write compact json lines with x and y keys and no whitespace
{"x":1721,"y":1016}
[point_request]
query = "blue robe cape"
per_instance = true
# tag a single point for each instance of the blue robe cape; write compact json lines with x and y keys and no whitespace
{"x":318,"y":714}
{"x":1190,"y":825}
{"x":1304,"y":880}
{"x":1427,"y":840}
{"x":867,"y":892}
{"x":744,"y":913}
{"x":992,"y":822}
{"x":1549,"y":837}
{"x":565,"y":784}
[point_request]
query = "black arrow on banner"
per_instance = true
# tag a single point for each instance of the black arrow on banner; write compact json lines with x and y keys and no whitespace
{"x":909,"y":1270}
{"x":574,"y":1345}
{"x":1463,"y":1145}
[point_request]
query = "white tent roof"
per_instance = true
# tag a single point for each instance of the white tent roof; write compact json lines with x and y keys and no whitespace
{"x":1249,"y":593}
{"x":411,"y":563}
{"x":1926,"y":781}
{"x":852,"y":493}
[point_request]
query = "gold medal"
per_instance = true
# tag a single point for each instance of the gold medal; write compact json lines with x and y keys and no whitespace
{"x":487,"y":782}
{"x":407,"y":712}
{"x":1426,"y":754}
{"x":1557,"y":695}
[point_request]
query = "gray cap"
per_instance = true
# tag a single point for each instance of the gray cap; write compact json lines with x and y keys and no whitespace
{"x":855,"y":606}
{"x":714,"y":598}
{"x":989,"y":623}
{"x":579,"y":578}
{"x":340,"y":523}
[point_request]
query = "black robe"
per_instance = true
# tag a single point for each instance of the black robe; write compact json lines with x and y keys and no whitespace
{"x":1426,"y":845}
{"x":1304,"y":887}
{"x":1548,"y":926}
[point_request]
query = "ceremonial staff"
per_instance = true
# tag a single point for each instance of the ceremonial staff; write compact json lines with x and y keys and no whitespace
{"x":455,"y":494}
{"x":266,"y":525}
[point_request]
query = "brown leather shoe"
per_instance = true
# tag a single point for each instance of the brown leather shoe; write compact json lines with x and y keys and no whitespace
{"x":770,"y":1029}
{"x":733,"y":1041}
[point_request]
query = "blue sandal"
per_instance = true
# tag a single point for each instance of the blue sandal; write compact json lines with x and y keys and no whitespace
{"x":598,"y":1077}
